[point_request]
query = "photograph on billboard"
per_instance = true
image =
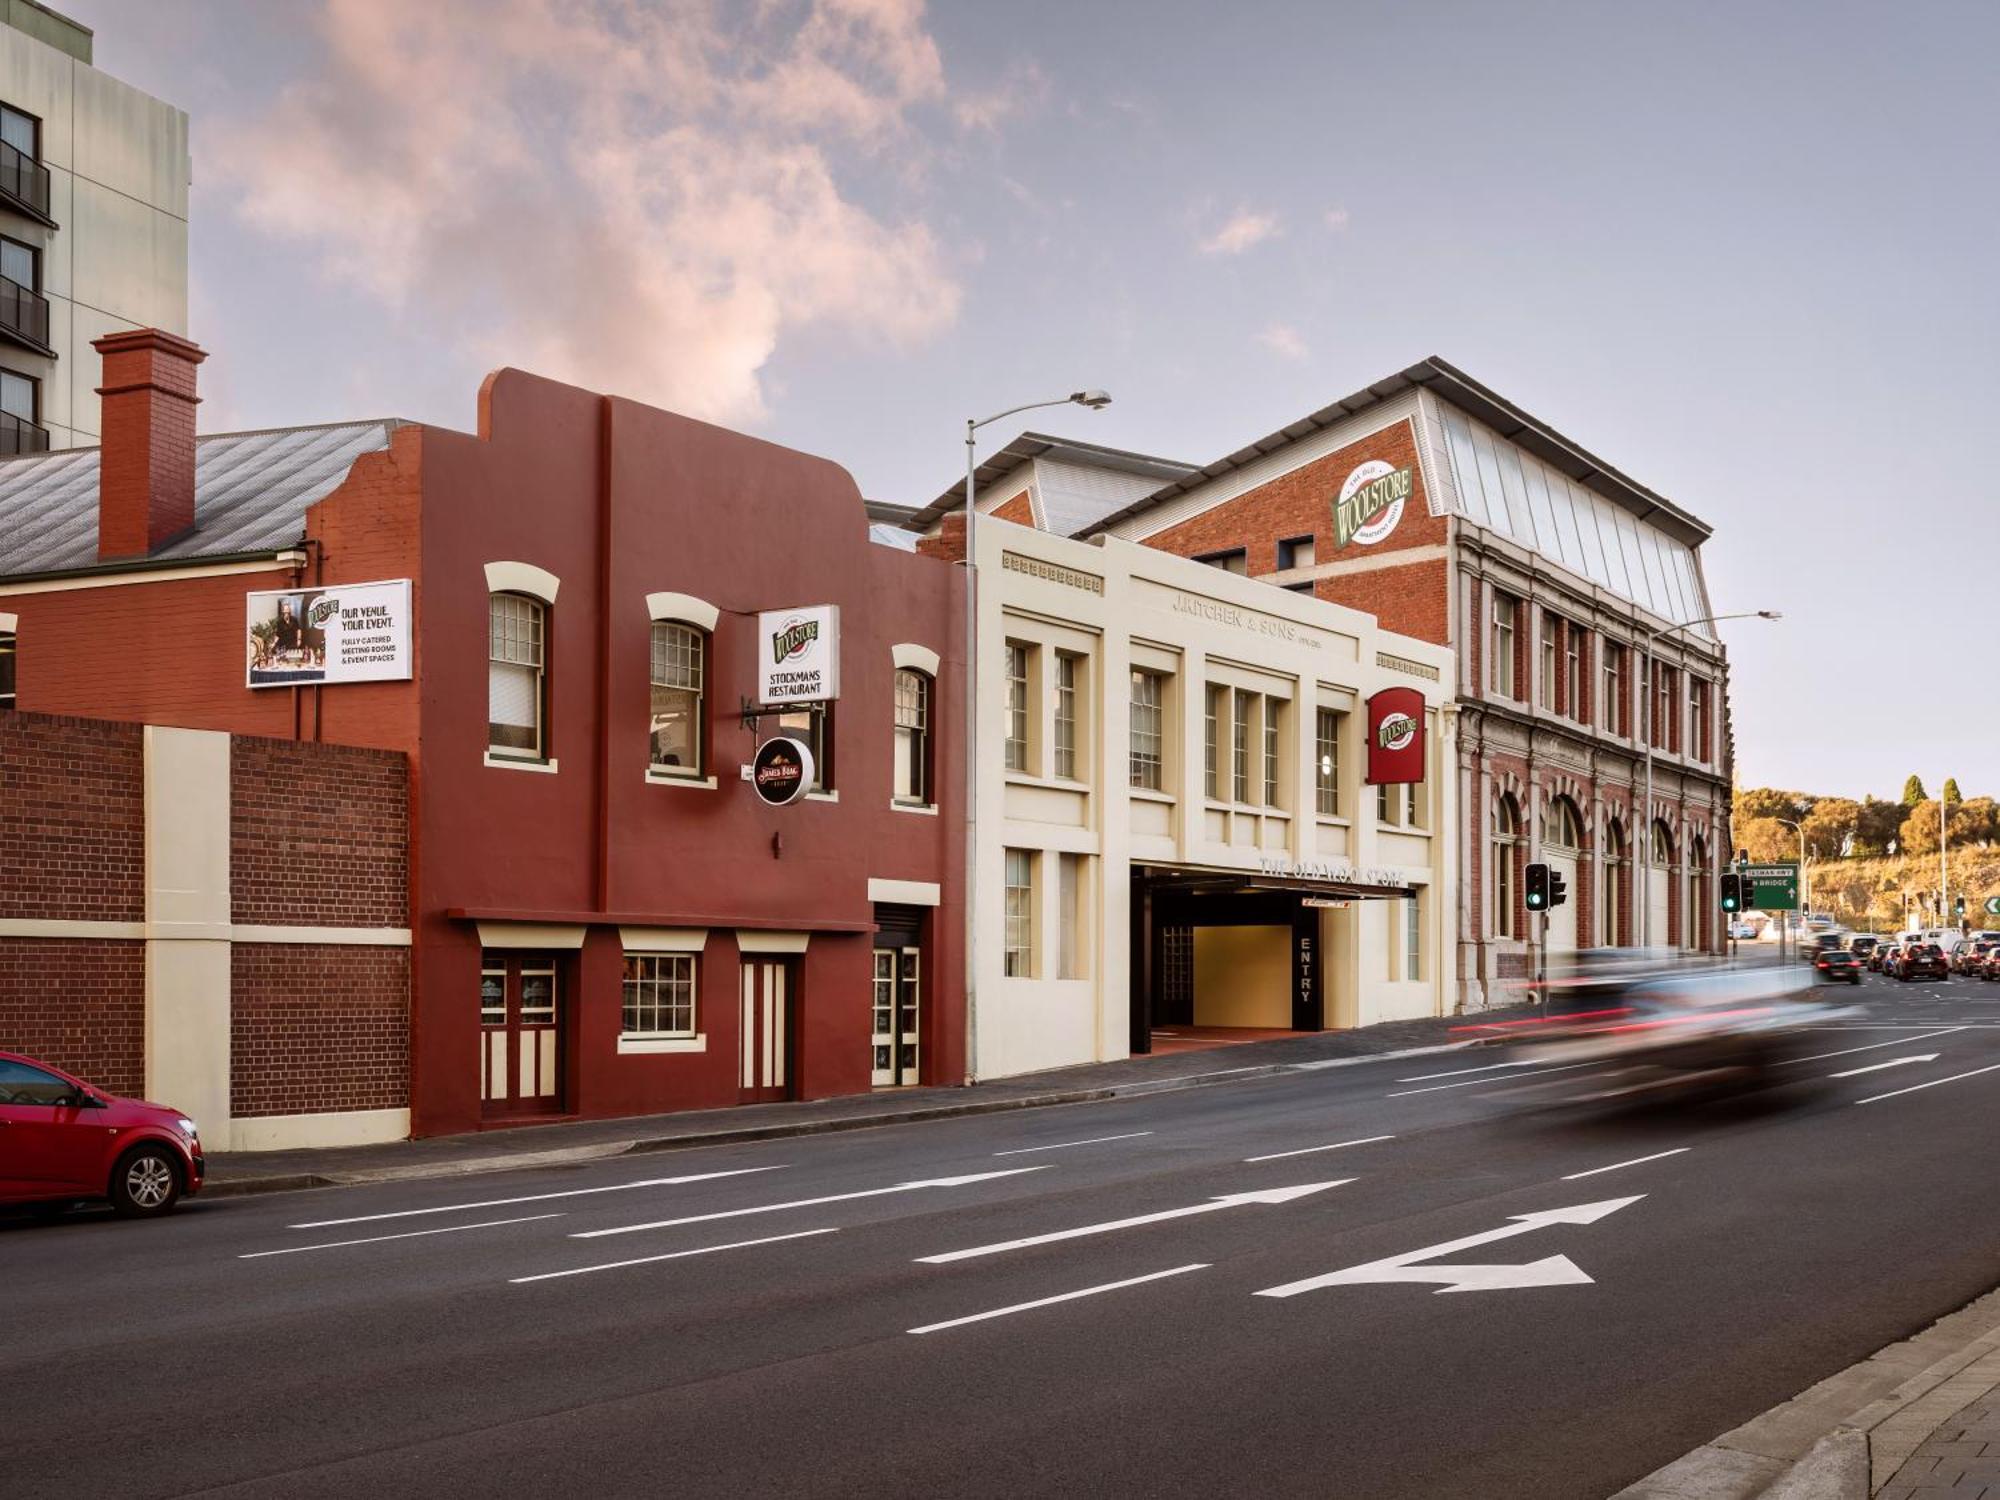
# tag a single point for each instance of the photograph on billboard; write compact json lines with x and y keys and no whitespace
{"x":354,"y":632}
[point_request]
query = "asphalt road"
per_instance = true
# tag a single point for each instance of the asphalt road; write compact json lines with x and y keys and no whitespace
{"x":800,"y":1316}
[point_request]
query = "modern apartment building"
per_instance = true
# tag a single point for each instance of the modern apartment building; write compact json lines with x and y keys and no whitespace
{"x":94,"y":182}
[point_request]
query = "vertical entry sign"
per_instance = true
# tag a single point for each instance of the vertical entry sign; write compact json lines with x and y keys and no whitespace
{"x":1395,"y":736}
{"x":798,"y":654}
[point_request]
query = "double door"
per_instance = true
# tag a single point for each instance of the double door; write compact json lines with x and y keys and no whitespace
{"x":520,"y":1034}
{"x":766,"y":1044}
{"x":897,"y":997}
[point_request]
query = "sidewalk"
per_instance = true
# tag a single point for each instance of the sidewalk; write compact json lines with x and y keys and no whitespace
{"x":1919,"y":1420}
{"x":535,"y":1145}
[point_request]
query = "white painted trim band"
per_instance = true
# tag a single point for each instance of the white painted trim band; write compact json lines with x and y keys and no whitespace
{"x":352,"y":1127}
{"x":629,"y":1046}
{"x":139,"y":576}
{"x":663,"y":939}
{"x":531,"y":934}
{"x":918,"y":658}
{"x":522,"y":578}
{"x":358,"y":937}
{"x":684,"y":608}
{"x":906,"y":892}
{"x":205,"y":932}
{"x":52,"y":927}
{"x":748,"y":941}
{"x":9,"y":623}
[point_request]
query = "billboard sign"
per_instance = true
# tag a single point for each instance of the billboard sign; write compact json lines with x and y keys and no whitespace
{"x":1395,"y":736}
{"x":798,"y":654}
{"x":336,"y":633}
{"x":1371,"y":503}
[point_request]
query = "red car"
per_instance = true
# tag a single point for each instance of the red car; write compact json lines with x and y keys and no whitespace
{"x":61,"y":1139}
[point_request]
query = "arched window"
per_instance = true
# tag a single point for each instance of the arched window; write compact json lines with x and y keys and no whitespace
{"x":1663,"y":846}
{"x":1506,"y":854}
{"x":913,"y":737}
{"x":516,"y":681}
{"x":1694,"y":922}
{"x":679,"y":717}
{"x":1615,"y":857}
{"x":1561,"y":826}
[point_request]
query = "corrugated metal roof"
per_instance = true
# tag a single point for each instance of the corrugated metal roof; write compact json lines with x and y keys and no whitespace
{"x":885,"y":535}
{"x":251,"y":493}
{"x":1033,"y":445}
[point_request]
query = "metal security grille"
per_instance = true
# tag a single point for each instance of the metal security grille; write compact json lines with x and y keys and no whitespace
{"x":1177,"y":971}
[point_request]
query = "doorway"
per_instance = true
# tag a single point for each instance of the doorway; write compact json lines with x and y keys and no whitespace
{"x":768,"y":986}
{"x":896,"y":1004}
{"x":520,"y":1034}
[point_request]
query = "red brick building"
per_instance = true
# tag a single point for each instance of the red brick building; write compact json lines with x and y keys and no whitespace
{"x":602,"y":917}
{"x":1433,"y":503}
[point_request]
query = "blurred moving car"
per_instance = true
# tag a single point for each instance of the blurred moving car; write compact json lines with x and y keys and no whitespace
{"x":1837,"y":964}
{"x":1862,"y":944}
{"x":61,"y":1140}
{"x":1921,"y":961}
{"x":1971,"y":958}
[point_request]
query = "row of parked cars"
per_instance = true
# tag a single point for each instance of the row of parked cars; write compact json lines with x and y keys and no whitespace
{"x":1912,"y":956}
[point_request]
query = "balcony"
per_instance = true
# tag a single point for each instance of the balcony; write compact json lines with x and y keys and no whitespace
{"x":24,"y":184}
{"x":19,"y":435}
{"x":24,"y":317}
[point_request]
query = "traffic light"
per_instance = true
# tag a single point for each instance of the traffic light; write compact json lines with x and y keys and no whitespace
{"x":1732,"y":893}
{"x":1558,"y":889}
{"x":1538,"y":887}
{"x":1958,"y":907}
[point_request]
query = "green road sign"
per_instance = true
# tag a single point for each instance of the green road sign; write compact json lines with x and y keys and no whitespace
{"x":1773,"y":887}
{"x":1993,"y":906}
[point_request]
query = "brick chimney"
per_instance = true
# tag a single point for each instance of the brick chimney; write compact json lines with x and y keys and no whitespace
{"x":145,"y":485}
{"x":949,"y":541}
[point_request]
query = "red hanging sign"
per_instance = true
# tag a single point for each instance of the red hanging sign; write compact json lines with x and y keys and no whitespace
{"x":1395,"y":736}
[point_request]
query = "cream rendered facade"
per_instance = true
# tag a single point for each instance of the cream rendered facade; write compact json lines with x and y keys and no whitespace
{"x":1064,"y":839}
{"x":115,"y":255}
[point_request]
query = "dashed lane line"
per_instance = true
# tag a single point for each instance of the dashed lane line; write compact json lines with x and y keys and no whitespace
{"x":1096,"y":1140}
{"x":647,"y":1260}
{"x":454,"y":1208}
{"x":1635,"y":1161}
{"x":1089,"y":1291}
{"x":1935,"y":1082}
{"x":408,"y":1234}
{"x":1473,"y":1082}
{"x":1309,"y":1150}
{"x":1901,"y":1041}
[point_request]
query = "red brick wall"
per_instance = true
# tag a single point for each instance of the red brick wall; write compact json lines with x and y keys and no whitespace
{"x":318,"y":1028}
{"x":1414,"y":599}
{"x":319,"y":835}
{"x":72,"y":819}
{"x":80,"y":1004}
{"x":1020,"y":509}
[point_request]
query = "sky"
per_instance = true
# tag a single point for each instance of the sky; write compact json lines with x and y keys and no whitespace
{"x":1745,"y":252}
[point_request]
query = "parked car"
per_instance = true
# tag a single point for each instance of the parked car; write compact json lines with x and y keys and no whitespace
{"x":62,"y":1140}
{"x":1973,"y":959}
{"x":1835,"y":964}
{"x":1922,"y":961}
{"x":1883,"y":959}
{"x":1862,"y":944}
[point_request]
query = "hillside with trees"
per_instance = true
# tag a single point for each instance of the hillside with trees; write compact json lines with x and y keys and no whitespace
{"x":1874,"y":863}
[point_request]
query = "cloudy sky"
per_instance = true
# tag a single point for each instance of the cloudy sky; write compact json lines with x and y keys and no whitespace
{"x":1744,"y":251}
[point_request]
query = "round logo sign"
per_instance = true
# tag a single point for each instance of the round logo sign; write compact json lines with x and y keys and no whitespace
{"x":1396,"y":731}
{"x":1371,"y":503}
{"x":781,"y":770}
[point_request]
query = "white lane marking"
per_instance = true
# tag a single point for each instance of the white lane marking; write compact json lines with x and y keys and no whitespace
{"x":1461,"y":1072}
{"x":1309,"y":1150}
{"x":772,"y":1208}
{"x":1230,"y":1200}
{"x":1553,"y":1270}
{"x":647,"y":1260}
{"x":1096,"y":1140}
{"x":1635,"y":1161}
{"x":1931,"y":1085}
{"x":1089,"y":1291}
{"x":408,"y":1234}
{"x":453,"y":1208}
{"x":1894,"y":1062}
{"x":1472,"y":1082}
{"x":1901,"y":1041}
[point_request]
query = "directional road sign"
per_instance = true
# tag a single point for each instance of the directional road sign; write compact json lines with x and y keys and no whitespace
{"x":1773,"y":887}
{"x":1993,"y":906}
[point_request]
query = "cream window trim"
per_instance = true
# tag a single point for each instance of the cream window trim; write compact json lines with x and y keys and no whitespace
{"x":664,"y":778}
{"x":530,"y":935}
{"x":916,"y":658}
{"x":921,"y":809}
{"x":9,"y":623}
{"x":514,"y":763}
{"x":1340,"y":700}
{"x":663,"y":939}
{"x":749,"y":941}
{"x":359,"y":937}
{"x":522,"y":578}
{"x":1150,"y":658}
{"x":683,"y":608}
{"x":1147,"y":794}
{"x":638,"y":1043}
{"x":905,"y":892}
{"x":832,"y":796}
{"x":1250,"y":680}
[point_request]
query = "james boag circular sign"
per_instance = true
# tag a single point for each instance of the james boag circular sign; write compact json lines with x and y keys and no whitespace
{"x":1371,"y":503}
{"x":782,"y":770}
{"x":1396,"y":731}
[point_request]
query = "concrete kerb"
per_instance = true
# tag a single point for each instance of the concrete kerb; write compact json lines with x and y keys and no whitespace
{"x":597,"y":1151}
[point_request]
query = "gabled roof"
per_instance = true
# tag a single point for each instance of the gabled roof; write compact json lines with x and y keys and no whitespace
{"x":251,"y":490}
{"x":1028,"y":446}
{"x":1451,"y":384}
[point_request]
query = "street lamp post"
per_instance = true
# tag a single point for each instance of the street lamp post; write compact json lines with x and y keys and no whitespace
{"x":1944,"y":873}
{"x":1652,"y":696}
{"x":1805,"y":890}
{"x":1095,"y":401}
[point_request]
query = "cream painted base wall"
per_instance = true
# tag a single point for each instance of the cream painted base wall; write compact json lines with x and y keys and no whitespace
{"x":357,"y":1127}
{"x":1040,"y":1023}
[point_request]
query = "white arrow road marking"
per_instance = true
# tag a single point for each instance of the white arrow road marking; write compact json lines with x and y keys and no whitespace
{"x":1635,"y":1161}
{"x":453,"y":1208}
{"x":408,"y":1234}
{"x":1931,"y":1085}
{"x":1231,"y":1200}
{"x":1089,"y":1291}
{"x":1901,"y":1041}
{"x":647,"y":1260}
{"x":1096,"y":1140}
{"x":1894,"y":1062}
{"x":1309,"y":1150}
{"x":1471,"y":1082}
{"x":772,"y":1208}
{"x":1556,"y":1270}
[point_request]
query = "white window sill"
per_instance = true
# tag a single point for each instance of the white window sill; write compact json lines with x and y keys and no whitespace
{"x":1056,"y":783}
{"x":1147,"y":794}
{"x":833,"y":796}
{"x":922,"y":809}
{"x":666,"y":778}
{"x":1333,"y":820}
{"x":628,"y":1044}
{"x":512,"y":763}
{"x":1250,"y":809}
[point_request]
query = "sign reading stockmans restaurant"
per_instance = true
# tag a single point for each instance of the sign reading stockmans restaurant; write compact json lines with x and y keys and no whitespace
{"x":1371,"y":503}
{"x":798,"y":654}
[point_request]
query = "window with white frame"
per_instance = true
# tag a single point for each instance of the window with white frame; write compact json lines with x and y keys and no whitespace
{"x":1069,"y":675}
{"x":1505,"y":852}
{"x":659,"y":994}
{"x":516,"y":683}
{"x":813,"y":723}
{"x":7,"y":651}
{"x":1211,"y":743}
{"x":1326,"y":762}
{"x":1572,"y":694}
{"x":1545,"y":693}
{"x":679,"y":656}
{"x":913,"y":737}
{"x":1413,"y":935}
{"x":1500,"y":676}
{"x":1239,"y":746}
{"x":1149,"y":730}
{"x":1018,"y":941}
{"x":1616,"y":717}
{"x":1017,"y":706}
{"x":1271,"y":741}
{"x":1701,"y":718}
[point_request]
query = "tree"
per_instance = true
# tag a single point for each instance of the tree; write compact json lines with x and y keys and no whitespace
{"x":1951,"y":789}
{"x":1766,"y":839}
{"x":1878,"y":824}
{"x":1830,"y":822}
{"x":1920,"y":829}
{"x":1768,"y":802}
{"x":1913,"y":792}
